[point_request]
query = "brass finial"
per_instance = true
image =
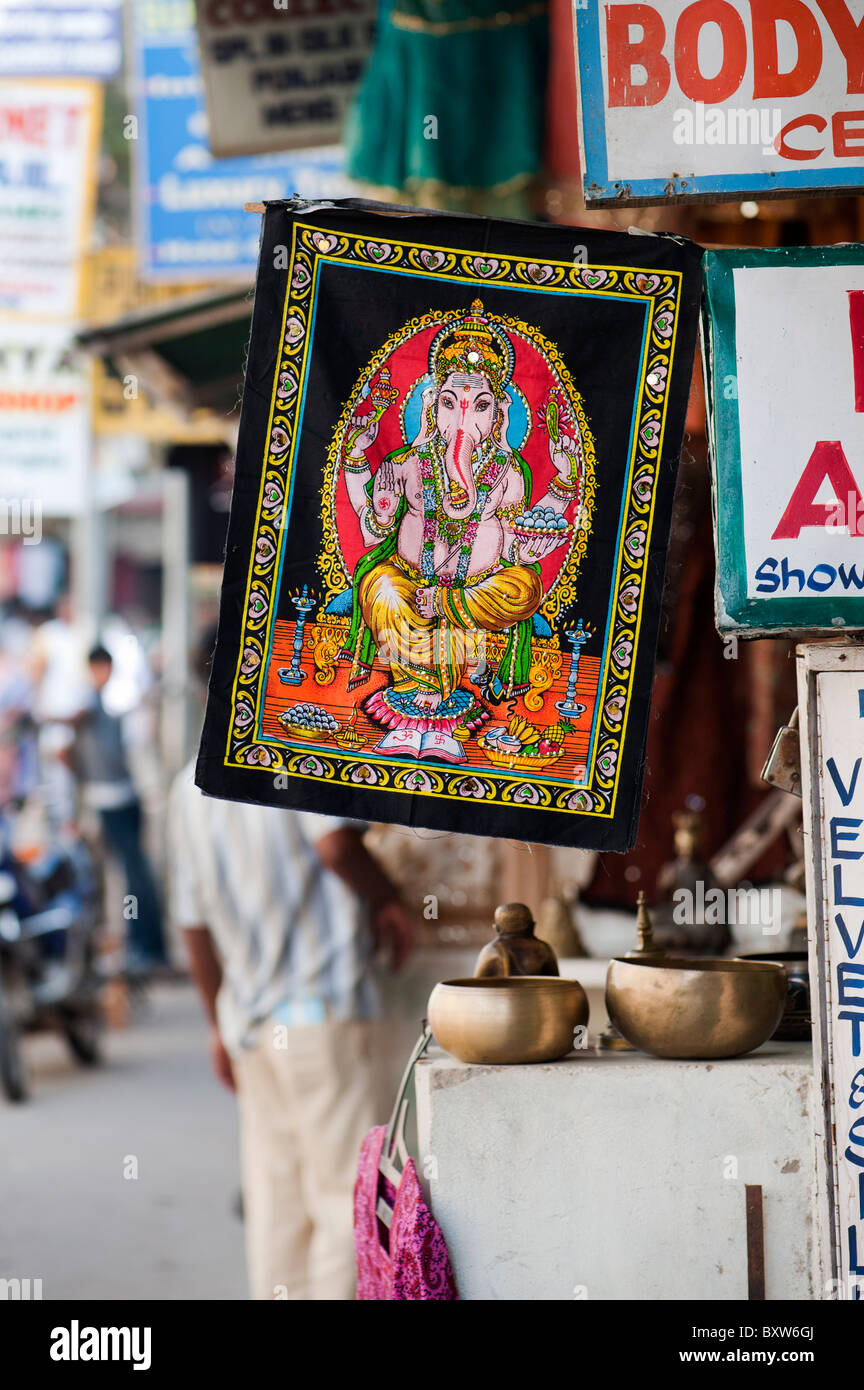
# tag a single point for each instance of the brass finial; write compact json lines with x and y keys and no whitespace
{"x":644,"y":931}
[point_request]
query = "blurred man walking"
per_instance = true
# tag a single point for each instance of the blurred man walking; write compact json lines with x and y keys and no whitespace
{"x":282,"y":913}
{"x":100,"y":762}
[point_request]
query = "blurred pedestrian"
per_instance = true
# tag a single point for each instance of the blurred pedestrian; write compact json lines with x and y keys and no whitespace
{"x":282,"y":913}
{"x":101,"y":765}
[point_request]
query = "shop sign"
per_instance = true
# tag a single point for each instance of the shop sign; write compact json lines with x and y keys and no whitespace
{"x":49,"y":134}
{"x":189,"y":206}
{"x":57,"y":39}
{"x":457,"y":452}
{"x":831,"y":697}
{"x":719,"y":98}
{"x":784,"y":359}
{"x":280,"y":78}
{"x":45,"y":436}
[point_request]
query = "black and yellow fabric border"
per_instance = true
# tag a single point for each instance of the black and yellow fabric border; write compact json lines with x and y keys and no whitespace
{"x":457,"y":453}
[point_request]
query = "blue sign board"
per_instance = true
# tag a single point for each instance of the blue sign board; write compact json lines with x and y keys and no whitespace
{"x":189,"y":206}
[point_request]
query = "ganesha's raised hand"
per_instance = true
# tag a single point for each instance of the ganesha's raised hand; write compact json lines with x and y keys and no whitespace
{"x":361,"y":435}
{"x":564,"y":453}
{"x":386,"y":487}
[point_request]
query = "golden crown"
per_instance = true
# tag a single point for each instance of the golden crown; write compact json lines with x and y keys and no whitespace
{"x":473,"y":345}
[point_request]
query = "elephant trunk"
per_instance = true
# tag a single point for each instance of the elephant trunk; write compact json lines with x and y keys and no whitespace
{"x":457,"y":463}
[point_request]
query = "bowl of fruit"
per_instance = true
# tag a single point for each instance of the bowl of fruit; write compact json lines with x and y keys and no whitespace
{"x":308,"y":721}
{"x":522,"y":747}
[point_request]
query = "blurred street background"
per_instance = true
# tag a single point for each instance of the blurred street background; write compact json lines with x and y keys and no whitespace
{"x":129,"y":144}
{"x":123,"y":1183}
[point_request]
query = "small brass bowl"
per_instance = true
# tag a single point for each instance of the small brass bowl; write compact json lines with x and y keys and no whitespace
{"x":303,"y":731}
{"x":706,"y":1008}
{"x":506,"y":1020}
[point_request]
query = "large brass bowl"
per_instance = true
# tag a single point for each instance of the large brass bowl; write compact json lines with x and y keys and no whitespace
{"x":706,"y":1008}
{"x":502,"y":1021}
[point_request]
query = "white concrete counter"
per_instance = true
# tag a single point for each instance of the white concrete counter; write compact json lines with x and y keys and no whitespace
{"x":619,"y":1176}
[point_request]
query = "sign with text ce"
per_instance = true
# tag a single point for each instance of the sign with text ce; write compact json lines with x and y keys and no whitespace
{"x":719,"y":99}
{"x":783,"y":338}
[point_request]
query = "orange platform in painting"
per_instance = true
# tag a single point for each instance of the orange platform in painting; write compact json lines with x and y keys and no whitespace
{"x":335,"y":698}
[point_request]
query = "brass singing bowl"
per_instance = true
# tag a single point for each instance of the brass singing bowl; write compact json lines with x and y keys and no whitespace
{"x":695,"y":1008}
{"x":510,"y":1019}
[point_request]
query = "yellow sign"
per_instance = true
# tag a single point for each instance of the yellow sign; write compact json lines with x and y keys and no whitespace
{"x":121,"y":405}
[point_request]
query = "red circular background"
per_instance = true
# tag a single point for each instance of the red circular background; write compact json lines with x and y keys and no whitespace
{"x":534,"y":377}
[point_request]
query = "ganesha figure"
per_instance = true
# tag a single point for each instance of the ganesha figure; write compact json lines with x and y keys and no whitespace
{"x":445,"y":565}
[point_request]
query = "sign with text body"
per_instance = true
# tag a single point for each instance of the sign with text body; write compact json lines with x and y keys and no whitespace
{"x":49,"y":134}
{"x":783,"y":335}
{"x":719,"y":98}
{"x":831,"y":698}
{"x":189,"y":206}
{"x":280,"y":77}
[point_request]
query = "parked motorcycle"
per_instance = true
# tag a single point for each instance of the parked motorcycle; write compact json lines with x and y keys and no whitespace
{"x":48,"y":975}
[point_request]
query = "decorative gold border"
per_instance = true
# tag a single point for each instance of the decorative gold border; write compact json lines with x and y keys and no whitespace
{"x":660,"y":291}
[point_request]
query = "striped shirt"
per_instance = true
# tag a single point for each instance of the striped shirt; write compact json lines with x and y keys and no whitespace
{"x":294,"y":941}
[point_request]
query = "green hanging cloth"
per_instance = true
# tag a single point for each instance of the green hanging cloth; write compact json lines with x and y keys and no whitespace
{"x":451,"y":110}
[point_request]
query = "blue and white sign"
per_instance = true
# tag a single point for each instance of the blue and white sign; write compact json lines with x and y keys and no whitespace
{"x":831,"y":706}
{"x":189,"y":206}
{"x":742,"y":98}
{"x":57,"y":39}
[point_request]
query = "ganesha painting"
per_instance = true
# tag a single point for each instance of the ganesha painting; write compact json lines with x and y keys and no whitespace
{"x":443,"y":572}
{"x":446,"y":556}
{"x":453,"y":529}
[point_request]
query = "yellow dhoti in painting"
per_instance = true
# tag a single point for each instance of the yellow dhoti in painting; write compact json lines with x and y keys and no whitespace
{"x":434,"y":653}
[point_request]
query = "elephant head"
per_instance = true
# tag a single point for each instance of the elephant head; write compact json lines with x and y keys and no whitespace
{"x":465,"y":413}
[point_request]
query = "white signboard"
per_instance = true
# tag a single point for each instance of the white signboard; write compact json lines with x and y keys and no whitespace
{"x":784,"y":334}
{"x":45,"y":436}
{"x":787,"y":398}
{"x":684,"y":98}
{"x":831,"y":699}
{"x":280,"y":78}
{"x":48,"y":138}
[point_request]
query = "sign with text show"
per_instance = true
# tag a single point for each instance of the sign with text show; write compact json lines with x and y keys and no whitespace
{"x":783,"y":333}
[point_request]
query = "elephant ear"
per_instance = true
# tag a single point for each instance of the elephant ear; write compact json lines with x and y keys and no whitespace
{"x":427,"y":399}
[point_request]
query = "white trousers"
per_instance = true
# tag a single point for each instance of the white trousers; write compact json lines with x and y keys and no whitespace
{"x":305,"y":1106}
